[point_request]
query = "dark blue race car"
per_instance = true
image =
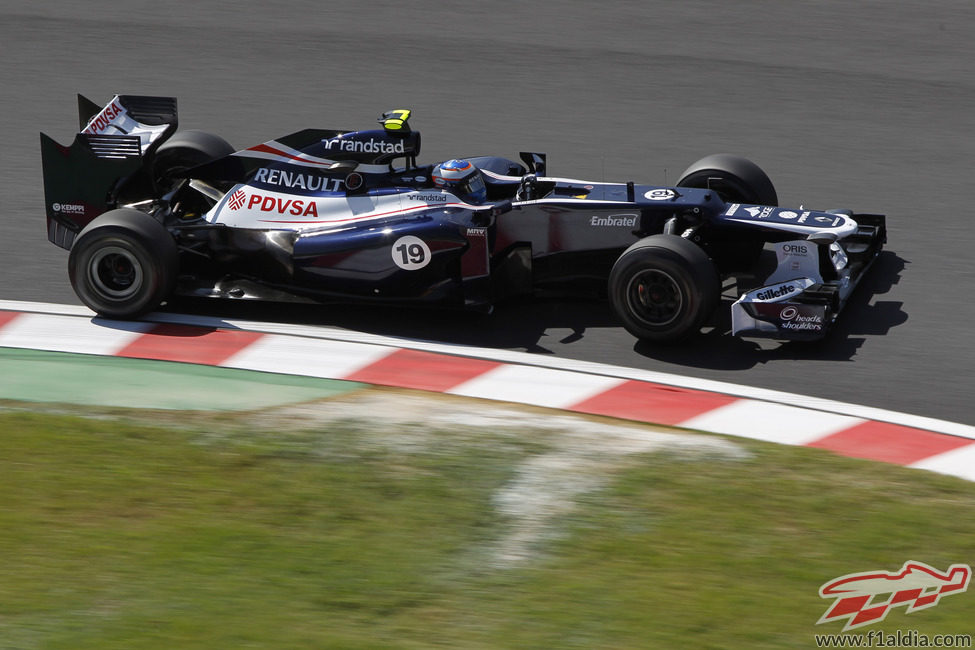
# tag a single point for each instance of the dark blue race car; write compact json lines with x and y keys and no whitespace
{"x":327,"y":215}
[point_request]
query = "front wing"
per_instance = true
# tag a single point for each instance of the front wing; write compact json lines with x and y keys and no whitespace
{"x":813,"y":280}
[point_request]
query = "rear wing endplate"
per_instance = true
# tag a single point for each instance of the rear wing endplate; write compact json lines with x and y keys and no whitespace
{"x":108,"y":153}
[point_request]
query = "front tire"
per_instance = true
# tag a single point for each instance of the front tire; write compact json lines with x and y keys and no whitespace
{"x":123,"y":264}
{"x":735,"y":179}
{"x":664,"y":288}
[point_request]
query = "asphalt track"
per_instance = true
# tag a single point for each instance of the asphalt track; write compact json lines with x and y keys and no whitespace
{"x":863,"y":105}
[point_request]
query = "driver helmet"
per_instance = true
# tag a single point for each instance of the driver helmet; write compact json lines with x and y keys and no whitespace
{"x":462,"y":179}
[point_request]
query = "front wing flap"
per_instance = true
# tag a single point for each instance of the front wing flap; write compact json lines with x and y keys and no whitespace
{"x":812,"y":283}
{"x":794,"y":321}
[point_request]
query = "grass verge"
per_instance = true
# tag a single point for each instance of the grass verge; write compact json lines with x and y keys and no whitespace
{"x":241,"y":531}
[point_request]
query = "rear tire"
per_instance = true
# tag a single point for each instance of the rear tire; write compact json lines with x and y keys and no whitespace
{"x":664,"y":288}
{"x":123,"y":264}
{"x":185,"y":150}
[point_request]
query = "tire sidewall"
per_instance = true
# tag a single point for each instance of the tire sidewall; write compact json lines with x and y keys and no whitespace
{"x":734,"y":178}
{"x":691,"y":273}
{"x":149,"y":246}
{"x":185,"y":150}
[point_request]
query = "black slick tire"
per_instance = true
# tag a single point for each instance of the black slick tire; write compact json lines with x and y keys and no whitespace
{"x":735,"y":179}
{"x":123,"y":264}
{"x":185,"y":150}
{"x":664,"y":288}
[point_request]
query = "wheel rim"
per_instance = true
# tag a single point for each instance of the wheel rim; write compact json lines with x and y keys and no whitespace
{"x":654,"y":297}
{"x":115,"y":272}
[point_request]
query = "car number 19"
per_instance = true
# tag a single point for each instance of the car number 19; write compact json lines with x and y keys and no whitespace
{"x":411,"y":253}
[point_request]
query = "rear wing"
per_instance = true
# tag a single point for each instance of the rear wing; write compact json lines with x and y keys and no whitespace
{"x":106,"y":162}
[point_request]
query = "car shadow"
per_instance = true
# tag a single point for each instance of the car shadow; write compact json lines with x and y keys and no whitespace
{"x":521,"y":324}
{"x":526,"y":324}
{"x":717,"y":349}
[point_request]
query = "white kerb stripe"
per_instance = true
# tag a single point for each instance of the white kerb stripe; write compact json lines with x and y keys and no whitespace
{"x":71,"y":334}
{"x":787,"y":425}
{"x":292,"y":355}
{"x":957,"y":462}
{"x":537,"y":386}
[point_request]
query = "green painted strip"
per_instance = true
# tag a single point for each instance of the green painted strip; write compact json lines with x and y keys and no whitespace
{"x":39,"y":376}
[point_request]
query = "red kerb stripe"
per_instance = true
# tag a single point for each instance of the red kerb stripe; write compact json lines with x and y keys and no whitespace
{"x":189,"y":344}
{"x":891,"y":443}
{"x":422,"y":370}
{"x":7,"y":316}
{"x":657,"y":403}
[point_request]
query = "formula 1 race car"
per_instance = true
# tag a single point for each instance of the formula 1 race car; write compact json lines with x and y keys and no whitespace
{"x":329,"y":216}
